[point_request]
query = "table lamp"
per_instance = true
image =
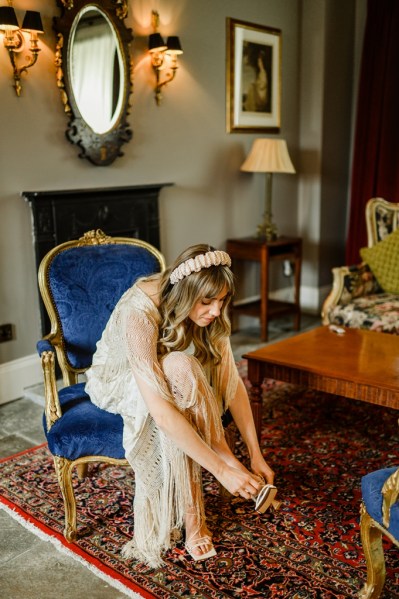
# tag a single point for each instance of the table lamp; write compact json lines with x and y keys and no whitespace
{"x":268,"y":156}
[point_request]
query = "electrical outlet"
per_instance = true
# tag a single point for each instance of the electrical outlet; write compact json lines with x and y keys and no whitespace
{"x":287,"y":268}
{"x":6,"y":333}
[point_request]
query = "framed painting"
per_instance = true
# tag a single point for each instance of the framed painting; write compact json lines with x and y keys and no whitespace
{"x":253,"y":77}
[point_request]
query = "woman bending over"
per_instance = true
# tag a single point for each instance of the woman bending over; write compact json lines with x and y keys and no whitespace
{"x":164,"y":363}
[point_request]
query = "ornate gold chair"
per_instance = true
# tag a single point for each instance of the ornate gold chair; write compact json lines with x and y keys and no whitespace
{"x":357,"y":299}
{"x":80,"y":282}
{"x":379,"y":516}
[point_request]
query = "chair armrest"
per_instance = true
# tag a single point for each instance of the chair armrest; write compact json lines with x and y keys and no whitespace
{"x":44,"y":345}
{"x":52,"y":407}
{"x":390,"y":493}
{"x":349,"y":282}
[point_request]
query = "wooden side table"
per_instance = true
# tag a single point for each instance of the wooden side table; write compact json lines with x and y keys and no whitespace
{"x":260,"y":250}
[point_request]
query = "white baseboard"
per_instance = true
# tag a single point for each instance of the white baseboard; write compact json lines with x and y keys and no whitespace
{"x":15,"y":376}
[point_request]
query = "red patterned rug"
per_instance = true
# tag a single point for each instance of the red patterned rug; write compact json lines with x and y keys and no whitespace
{"x":319,"y":446}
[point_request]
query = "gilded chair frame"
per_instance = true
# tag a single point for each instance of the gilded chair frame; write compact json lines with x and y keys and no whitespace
{"x":351,"y":277}
{"x":371,"y":535}
{"x":375,"y":208}
{"x":63,"y":466}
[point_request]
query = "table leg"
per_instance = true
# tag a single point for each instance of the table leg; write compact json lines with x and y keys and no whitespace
{"x":255,"y":377}
{"x":297,"y":283}
{"x":264,"y":294}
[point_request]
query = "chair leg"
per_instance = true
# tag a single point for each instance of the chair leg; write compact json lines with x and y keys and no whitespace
{"x":371,"y":537}
{"x":82,"y":470}
{"x":63,"y":468}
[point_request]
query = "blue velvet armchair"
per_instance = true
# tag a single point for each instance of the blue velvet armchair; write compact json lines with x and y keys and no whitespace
{"x":379,"y":516}
{"x":80,"y":282}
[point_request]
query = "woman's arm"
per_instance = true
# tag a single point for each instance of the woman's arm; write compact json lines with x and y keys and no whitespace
{"x":235,"y":395}
{"x":173,"y":424}
{"x":241,"y":411}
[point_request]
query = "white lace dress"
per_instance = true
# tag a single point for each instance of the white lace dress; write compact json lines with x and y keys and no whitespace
{"x":162,"y":472}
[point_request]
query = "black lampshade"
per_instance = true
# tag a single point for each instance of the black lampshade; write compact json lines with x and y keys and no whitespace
{"x":32,"y":21}
{"x":156,"y":43}
{"x":173,"y":44}
{"x":8,"y":18}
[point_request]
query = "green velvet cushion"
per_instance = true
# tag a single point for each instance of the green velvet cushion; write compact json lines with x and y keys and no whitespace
{"x":383,"y":259}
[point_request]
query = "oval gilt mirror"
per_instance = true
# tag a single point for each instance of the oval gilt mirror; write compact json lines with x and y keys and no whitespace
{"x":94,"y":76}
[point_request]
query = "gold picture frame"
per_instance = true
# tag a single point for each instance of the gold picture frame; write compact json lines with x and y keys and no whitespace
{"x":253,"y":77}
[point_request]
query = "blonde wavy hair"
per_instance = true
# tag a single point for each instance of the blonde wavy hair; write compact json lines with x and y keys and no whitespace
{"x":177,"y":331}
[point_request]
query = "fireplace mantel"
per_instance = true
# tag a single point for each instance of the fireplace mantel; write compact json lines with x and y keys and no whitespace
{"x":62,"y":215}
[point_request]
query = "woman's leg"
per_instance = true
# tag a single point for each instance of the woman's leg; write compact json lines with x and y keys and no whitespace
{"x":198,"y":536}
{"x":194,"y":397}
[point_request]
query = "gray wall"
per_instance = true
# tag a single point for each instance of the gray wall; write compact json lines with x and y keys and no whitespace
{"x":184,"y":141}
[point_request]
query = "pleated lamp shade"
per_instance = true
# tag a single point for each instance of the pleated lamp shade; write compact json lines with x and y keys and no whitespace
{"x":268,"y":155}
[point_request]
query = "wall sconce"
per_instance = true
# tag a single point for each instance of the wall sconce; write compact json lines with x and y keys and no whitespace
{"x":14,"y":40}
{"x":160,"y":54}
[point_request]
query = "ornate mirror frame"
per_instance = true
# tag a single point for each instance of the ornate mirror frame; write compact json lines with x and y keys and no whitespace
{"x":100,"y":149}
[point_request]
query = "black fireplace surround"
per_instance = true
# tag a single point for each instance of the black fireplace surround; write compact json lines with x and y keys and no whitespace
{"x":62,"y":215}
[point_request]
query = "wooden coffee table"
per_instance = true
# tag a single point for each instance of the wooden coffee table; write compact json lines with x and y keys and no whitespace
{"x":357,"y":364}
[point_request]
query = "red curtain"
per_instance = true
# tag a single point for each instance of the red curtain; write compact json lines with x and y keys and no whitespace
{"x":375,"y":169}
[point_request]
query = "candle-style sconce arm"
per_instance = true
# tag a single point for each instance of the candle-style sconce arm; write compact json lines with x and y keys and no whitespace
{"x":169,"y":76}
{"x":13,"y":51}
{"x":14,"y":40}
{"x":163,"y":57}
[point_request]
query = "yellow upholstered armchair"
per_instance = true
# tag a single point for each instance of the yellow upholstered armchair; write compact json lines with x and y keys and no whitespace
{"x":80,"y":282}
{"x":357,"y":298}
{"x":379,"y":516}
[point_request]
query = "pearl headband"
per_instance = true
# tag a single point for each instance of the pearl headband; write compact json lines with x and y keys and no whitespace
{"x":214,"y":258}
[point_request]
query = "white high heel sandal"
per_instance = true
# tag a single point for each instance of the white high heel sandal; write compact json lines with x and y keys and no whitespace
{"x":206,"y":540}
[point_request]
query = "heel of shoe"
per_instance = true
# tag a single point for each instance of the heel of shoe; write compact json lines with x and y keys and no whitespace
{"x":276,"y":504}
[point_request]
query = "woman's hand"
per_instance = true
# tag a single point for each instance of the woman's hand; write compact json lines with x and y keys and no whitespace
{"x":239,"y":482}
{"x":259,"y":466}
{"x":241,"y":411}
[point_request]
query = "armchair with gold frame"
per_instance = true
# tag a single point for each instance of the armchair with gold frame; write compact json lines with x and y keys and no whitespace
{"x":379,"y":516}
{"x":80,"y":282}
{"x":356,"y":299}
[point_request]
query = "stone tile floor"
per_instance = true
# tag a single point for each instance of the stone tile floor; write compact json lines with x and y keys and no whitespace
{"x":31,"y":568}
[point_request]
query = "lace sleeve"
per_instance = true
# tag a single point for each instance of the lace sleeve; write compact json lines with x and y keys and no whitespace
{"x":141,"y":342}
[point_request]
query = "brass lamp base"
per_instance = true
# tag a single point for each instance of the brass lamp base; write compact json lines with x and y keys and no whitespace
{"x":267,"y":229}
